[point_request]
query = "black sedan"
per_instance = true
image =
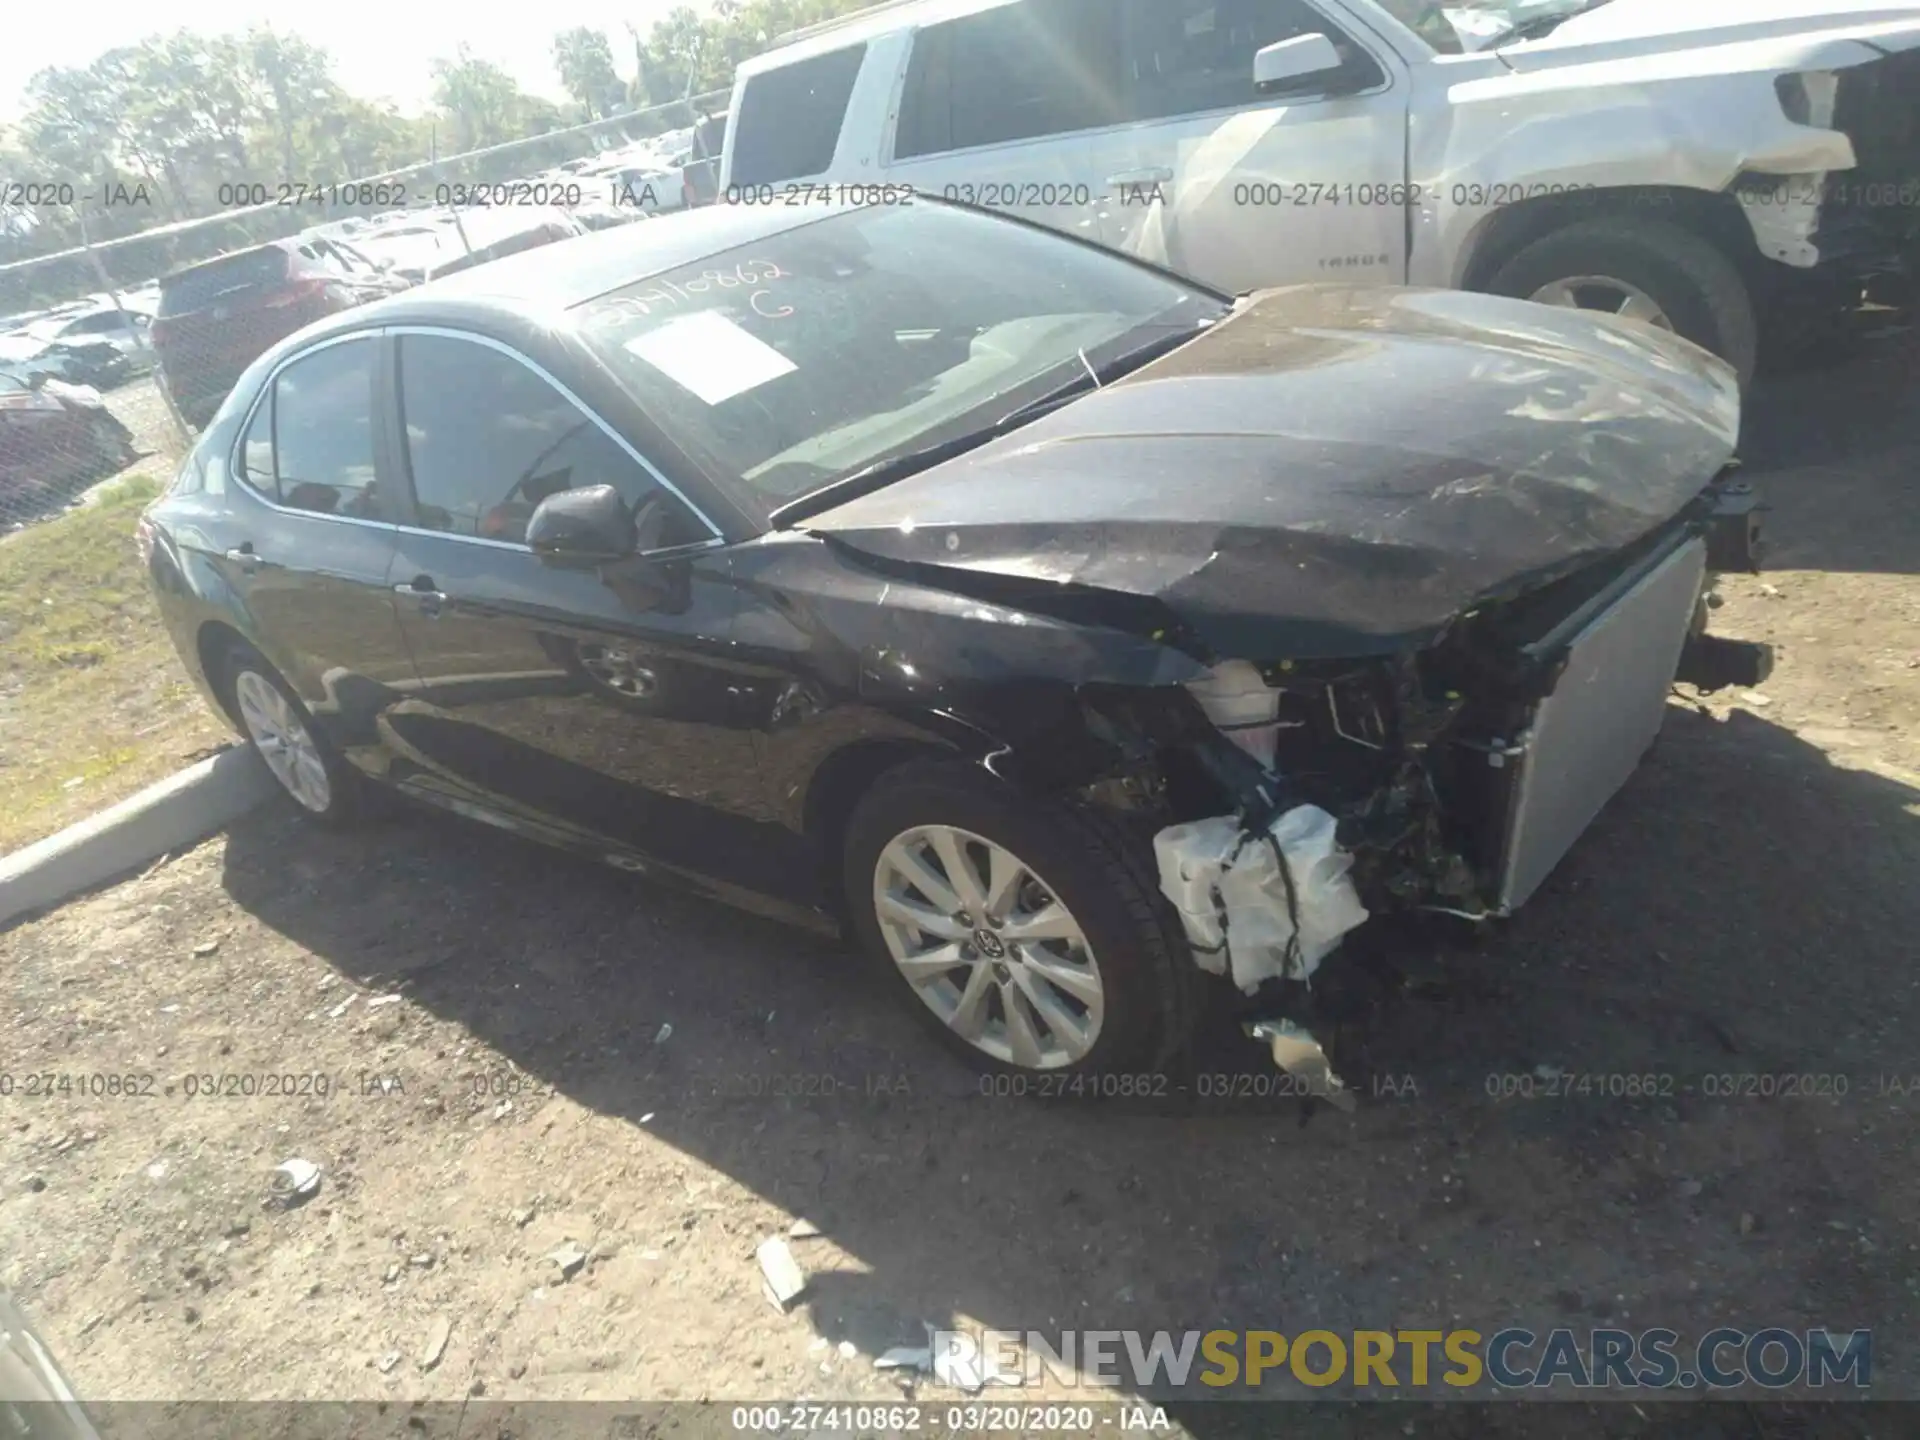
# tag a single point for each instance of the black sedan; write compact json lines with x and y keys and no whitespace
{"x":1066,"y":631}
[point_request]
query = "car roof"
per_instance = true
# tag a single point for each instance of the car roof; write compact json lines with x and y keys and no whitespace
{"x":860,"y":27}
{"x":570,"y":272}
{"x":224,"y":257}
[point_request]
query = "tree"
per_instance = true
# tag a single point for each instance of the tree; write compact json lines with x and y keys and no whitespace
{"x":585,"y":62}
{"x":295,"y":93}
{"x":484,"y":102}
{"x":200,"y":119}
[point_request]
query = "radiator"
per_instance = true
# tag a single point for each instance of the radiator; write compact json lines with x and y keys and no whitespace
{"x":1592,"y":731}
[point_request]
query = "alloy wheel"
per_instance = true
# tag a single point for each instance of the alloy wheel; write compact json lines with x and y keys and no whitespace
{"x":617,"y":669}
{"x":988,"y":947}
{"x":1605,"y":293}
{"x":283,"y":741}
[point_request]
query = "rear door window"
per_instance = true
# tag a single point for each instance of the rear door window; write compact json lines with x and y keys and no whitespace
{"x":310,"y":443}
{"x":1019,"y":72}
{"x":790,"y":118}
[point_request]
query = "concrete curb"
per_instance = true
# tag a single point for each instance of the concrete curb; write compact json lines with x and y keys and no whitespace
{"x":169,"y":815}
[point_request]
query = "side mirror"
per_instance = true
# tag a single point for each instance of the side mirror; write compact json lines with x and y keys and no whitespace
{"x":589,"y":526}
{"x":1287,"y":63}
{"x":36,"y":380}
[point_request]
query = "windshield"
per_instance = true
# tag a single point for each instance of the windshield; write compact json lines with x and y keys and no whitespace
{"x":1463,"y":26}
{"x":803,"y":358}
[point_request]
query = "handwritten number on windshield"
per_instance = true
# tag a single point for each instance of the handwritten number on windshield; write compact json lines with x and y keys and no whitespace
{"x":669,"y":294}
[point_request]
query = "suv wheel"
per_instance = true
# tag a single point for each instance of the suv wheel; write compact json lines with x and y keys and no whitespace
{"x":1650,"y":271}
{"x":282,"y":733}
{"x":1025,"y":934}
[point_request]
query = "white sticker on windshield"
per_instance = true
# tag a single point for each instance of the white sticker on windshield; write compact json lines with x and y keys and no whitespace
{"x":711,"y":356}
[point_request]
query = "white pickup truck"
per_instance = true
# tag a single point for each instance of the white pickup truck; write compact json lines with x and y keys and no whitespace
{"x":1734,"y":170}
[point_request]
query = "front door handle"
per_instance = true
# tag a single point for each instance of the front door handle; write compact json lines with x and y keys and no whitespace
{"x":1152,"y":175}
{"x":243,"y":556}
{"x":421,"y":589}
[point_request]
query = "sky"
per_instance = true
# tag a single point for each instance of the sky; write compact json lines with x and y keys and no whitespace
{"x":380,"y":48}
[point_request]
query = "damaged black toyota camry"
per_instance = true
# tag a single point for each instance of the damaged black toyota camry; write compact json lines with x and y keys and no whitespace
{"x":1064,"y":630}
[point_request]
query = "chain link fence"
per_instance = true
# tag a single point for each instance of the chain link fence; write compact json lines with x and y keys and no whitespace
{"x":116,"y":353}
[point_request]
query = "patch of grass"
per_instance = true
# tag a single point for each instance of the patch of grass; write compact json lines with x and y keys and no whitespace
{"x":93,"y":702}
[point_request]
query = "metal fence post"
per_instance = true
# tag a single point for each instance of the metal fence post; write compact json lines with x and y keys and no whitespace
{"x":180,"y":430}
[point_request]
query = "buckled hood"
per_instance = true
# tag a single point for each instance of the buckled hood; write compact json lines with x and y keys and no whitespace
{"x":1330,"y":471}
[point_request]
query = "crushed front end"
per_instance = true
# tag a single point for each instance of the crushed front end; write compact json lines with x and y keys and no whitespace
{"x":1848,"y":239}
{"x":1450,"y":779}
{"x":1870,"y":223}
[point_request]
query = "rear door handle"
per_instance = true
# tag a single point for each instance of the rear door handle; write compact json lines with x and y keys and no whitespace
{"x":1152,"y":175}
{"x":243,"y":556}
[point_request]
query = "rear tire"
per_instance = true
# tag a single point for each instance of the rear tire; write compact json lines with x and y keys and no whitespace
{"x":1700,"y":291}
{"x":1127,"y":967}
{"x":308,"y":770}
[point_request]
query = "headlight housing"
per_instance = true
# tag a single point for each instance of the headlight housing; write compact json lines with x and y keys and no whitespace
{"x":1807,"y":96}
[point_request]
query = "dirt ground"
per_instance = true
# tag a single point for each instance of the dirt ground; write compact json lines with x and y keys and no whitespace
{"x":524,"y":1053}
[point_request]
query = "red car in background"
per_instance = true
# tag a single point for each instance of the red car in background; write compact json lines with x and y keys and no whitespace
{"x":218,"y":317}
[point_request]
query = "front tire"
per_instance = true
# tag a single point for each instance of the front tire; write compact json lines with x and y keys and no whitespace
{"x":1649,"y":270}
{"x":281,"y":731}
{"x":1025,"y":934}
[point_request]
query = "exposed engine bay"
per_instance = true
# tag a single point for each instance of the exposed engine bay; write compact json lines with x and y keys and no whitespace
{"x":1452,"y":779}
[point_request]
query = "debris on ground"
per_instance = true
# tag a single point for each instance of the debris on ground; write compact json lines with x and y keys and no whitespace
{"x":956,"y":1362}
{"x":906,"y":1357}
{"x":206,"y":947}
{"x":568,"y":1258}
{"x":380,"y":1000}
{"x":803,"y":1229}
{"x":295,"y":1182}
{"x":784,"y":1280}
{"x":388,"y":1361}
{"x":1299,"y":1054}
{"x":663,"y":1034}
{"x":436,"y":1346}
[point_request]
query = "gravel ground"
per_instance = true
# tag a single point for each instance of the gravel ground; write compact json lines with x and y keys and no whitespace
{"x":575,"y":1058}
{"x":139,"y":406}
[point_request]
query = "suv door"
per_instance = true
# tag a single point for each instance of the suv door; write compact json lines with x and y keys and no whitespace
{"x":599,"y":706}
{"x":997,"y":108}
{"x":1244,"y":190}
